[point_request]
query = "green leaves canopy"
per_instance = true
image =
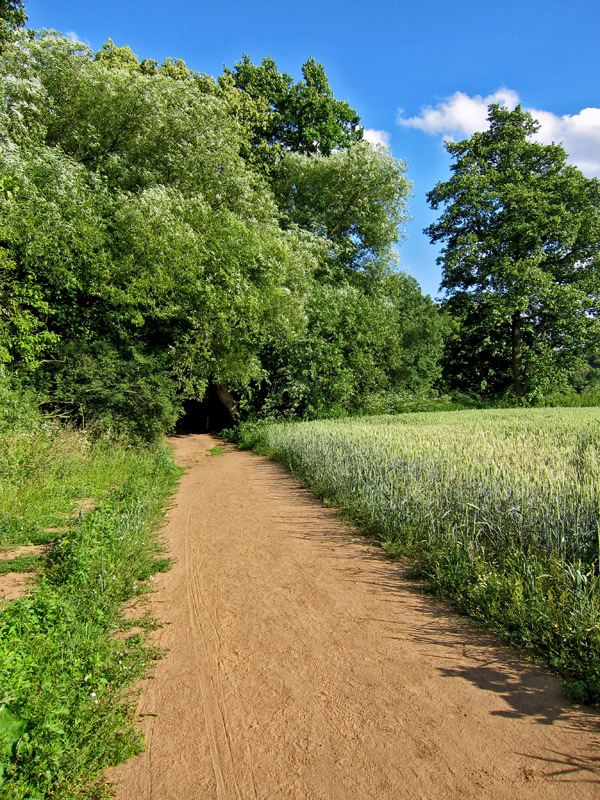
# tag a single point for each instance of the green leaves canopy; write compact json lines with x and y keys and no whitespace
{"x":303,"y":117}
{"x":354,"y":199}
{"x":356,"y":344}
{"x":521,"y":233}
{"x":145,"y":252}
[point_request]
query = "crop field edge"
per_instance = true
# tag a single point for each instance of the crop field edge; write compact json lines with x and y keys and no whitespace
{"x":557,"y":624}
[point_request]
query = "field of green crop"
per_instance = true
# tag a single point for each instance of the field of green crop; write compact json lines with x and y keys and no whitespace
{"x":500,"y":510}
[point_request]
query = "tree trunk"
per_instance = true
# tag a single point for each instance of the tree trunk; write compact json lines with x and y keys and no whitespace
{"x":517,"y":355}
{"x":226,"y":398}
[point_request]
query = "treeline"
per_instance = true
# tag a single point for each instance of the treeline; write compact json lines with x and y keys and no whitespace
{"x":162,"y":230}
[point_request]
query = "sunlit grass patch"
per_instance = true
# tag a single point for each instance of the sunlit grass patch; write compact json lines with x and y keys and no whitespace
{"x":65,"y":712}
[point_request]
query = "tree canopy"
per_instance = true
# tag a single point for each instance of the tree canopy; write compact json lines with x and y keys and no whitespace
{"x":521,"y":234}
{"x":12,"y":13}
{"x":303,"y":117}
{"x":355,"y":200}
{"x":146,"y":252}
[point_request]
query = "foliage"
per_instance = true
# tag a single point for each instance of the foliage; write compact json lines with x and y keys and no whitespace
{"x":355,"y":344}
{"x":18,"y":407}
{"x":13,"y":12}
{"x":354,"y":198}
{"x":499,"y":508}
{"x":12,"y":16}
{"x":304,"y":117}
{"x":144,"y":254}
{"x":522,"y":234}
{"x":115,"y":390}
{"x":65,"y":680}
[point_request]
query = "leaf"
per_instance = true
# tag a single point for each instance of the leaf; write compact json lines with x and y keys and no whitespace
{"x":11,"y":729}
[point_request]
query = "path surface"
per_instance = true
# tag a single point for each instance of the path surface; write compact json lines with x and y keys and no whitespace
{"x":303,"y":665}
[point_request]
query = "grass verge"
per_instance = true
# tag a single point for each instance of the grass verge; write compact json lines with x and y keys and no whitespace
{"x":65,"y":679}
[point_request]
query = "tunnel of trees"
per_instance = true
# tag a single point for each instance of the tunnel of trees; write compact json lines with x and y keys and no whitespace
{"x":208,"y":415}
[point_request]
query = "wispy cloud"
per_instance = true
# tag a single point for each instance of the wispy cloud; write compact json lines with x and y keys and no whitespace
{"x":462,"y":115}
{"x":76,"y":39}
{"x":377,"y":137}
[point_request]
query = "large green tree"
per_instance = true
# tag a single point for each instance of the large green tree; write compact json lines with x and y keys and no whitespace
{"x":355,"y":200}
{"x":521,"y":235}
{"x":145,"y":254}
{"x":136,"y":246}
{"x":303,"y":117}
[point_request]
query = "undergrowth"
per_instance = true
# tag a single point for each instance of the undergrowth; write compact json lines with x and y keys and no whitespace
{"x":65,"y":679}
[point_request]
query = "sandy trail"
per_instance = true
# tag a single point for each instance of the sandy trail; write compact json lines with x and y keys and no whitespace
{"x":302,"y":664}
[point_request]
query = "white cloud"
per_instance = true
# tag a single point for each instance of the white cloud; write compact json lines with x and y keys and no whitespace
{"x":377,"y":137}
{"x":462,"y":115}
{"x":578,"y":133}
{"x":459,"y":113}
{"x":76,"y":39}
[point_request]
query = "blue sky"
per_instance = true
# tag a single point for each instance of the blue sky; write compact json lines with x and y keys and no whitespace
{"x":415,"y":71}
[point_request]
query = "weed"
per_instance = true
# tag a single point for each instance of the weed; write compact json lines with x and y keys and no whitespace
{"x":65,"y":708}
{"x":28,"y":562}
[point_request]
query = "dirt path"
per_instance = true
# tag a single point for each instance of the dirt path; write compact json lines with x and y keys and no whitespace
{"x":303,"y":665}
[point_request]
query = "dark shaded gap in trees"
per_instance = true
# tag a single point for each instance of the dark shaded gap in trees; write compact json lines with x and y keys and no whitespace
{"x":208,"y":415}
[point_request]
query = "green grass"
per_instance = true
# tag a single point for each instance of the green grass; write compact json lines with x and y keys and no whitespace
{"x":500,"y":510}
{"x":46,"y":471}
{"x":23,"y":563}
{"x":65,"y":679}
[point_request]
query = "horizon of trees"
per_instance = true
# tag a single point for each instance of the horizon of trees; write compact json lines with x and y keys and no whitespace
{"x":164,"y":230}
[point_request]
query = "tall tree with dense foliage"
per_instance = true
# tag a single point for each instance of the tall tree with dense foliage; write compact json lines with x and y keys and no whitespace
{"x":521,"y":266}
{"x":303,"y":117}
{"x":141,"y":257}
{"x":146,"y":254}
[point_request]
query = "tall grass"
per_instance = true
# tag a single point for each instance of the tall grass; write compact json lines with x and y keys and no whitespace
{"x":500,"y":509}
{"x":46,"y":471}
{"x":65,"y":711}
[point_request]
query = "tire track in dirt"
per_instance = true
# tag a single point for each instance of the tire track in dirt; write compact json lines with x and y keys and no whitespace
{"x":303,"y":665}
{"x":206,"y":642}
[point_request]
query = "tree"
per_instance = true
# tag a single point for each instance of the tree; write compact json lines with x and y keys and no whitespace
{"x":354,"y":199}
{"x":521,"y":229}
{"x":12,"y":17}
{"x":137,"y":249}
{"x":357,"y":345}
{"x":145,"y":254}
{"x":12,"y":13}
{"x":303,"y":117}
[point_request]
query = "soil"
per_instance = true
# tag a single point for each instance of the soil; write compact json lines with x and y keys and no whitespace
{"x":23,"y":550}
{"x":18,"y":584}
{"x":15,"y":584}
{"x":302,"y":664}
